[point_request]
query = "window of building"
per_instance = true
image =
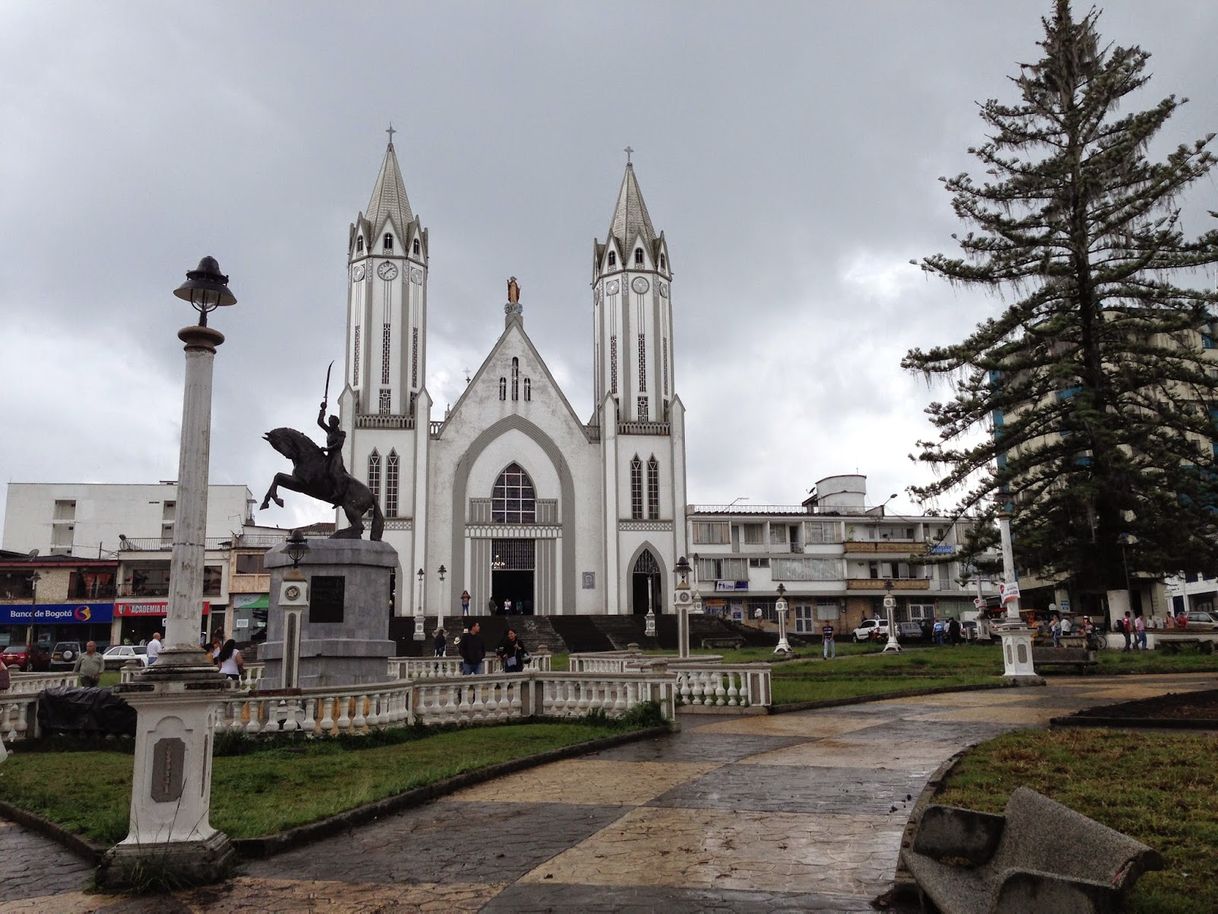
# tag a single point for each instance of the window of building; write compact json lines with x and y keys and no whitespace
{"x":359,"y":243}
{"x":146,"y":580}
{"x":91,"y":585}
{"x":415,"y":246}
{"x":386,"y":334}
{"x":391,"y":484}
{"x":612,"y":259}
{"x":827,"y":610}
{"x":528,"y":389}
{"x":778,"y":534}
{"x":503,"y":388}
{"x":613,"y":364}
{"x":821,"y":532}
{"x":643,"y":411}
{"x":734,"y":569}
{"x":805,"y":619}
{"x":251,"y":563}
{"x":653,"y":488}
{"x":805,"y":569}
{"x":638,"y":255}
{"x":753,"y":534}
{"x":374,"y":475}
{"x":388,"y":242}
{"x":636,"y":488}
{"x":385,"y":403}
{"x":513,"y":500}
{"x":16,"y":585}
{"x":212,"y":576}
{"x":663,"y":262}
{"x":762,"y":562}
{"x":355,"y":361}
{"x":642,"y":363}
{"x":712,"y":533}
{"x":515,"y":378}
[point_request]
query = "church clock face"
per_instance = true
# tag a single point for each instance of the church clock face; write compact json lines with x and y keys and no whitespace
{"x":357,"y":272}
{"x":640,"y":285}
{"x":387,"y":271}
{"x":611,"y":287}
{"x":663,"y":287}
{"x":416,"y":276}
{"x":292,"y":592}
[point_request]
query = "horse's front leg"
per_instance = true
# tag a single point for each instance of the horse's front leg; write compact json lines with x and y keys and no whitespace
{"x":272,"y":494}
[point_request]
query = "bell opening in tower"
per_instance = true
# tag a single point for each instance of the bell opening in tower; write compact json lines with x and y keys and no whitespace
{"x":513,"y":576}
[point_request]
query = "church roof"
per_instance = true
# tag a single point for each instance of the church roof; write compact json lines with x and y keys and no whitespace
{"x":630,"y":218}
{"x":389,"y":196}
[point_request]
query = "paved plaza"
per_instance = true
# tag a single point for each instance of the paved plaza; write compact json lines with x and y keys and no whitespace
{"x":789,"y":812}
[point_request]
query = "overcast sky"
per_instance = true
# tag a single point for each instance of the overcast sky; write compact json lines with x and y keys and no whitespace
{"x":790,"y":151}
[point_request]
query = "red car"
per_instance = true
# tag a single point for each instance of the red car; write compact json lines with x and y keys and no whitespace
{"x":26,"y":658}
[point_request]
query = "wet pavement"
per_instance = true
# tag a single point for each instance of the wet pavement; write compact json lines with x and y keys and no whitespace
{"x":790,"y":812}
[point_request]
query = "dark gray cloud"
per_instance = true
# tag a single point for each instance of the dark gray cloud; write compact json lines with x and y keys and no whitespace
{"x":789,"y":150}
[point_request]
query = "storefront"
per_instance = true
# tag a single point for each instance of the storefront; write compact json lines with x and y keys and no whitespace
{"x":51,"y":622}
{"x":249,"y":617}
{"x":140,"y":619}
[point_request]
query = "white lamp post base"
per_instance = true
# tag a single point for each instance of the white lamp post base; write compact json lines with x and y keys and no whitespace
{"x":419,"y":634}
{"x":893,"y":644}
{"x":783,"y":646}
{"x":649,"y":626}
{"x":1017,"y":664}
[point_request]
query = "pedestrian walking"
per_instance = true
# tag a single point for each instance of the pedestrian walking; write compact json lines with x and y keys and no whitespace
{"x":1139,"y":627}
{"x":1126,"y":629}
{"x":828,"y":647}
{"x":231,"y":663}
{"x":953,"y":631}
{"x":1055,"y":629}
{"x":937,"y":628}
{"x":472,"y":651}
{"x":511,"y":652}
{"x":154,"y":648}
{"x":90,"y":666}
{"x":440,"y":643}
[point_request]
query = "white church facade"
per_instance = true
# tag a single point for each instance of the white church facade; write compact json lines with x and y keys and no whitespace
{"x":516,"y":496}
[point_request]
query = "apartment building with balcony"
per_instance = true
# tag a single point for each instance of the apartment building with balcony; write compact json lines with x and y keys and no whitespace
{"x":834,"y":553}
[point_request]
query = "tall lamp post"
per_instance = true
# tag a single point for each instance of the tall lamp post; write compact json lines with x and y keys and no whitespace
{"x":442,"y":571}
{"x":296,"y":590}
{"x":174,"y":699}
{"x":681,"y":601}
{"x":35,"y":577}
{"x":418,"y":608}
{"x":780,"y":607}
{"x":649,"y":622}
{"x":1016,"y":636}
{"x":890,"y":605}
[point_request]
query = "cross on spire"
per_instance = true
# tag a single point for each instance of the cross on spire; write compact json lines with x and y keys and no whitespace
{"x":391,"y":132}
{"x":628,"y":152}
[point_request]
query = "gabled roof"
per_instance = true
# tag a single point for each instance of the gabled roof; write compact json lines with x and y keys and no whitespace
{"x":389,"y":198}
{"x":630,"y":218}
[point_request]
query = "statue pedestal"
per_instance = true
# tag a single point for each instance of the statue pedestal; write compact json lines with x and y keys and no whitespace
{"x":344,"y":628}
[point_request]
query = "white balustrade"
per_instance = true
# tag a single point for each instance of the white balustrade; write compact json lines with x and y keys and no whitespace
{"x":18,"y":716}
{"x":439,"y":667}
{"x":251,"y":675}
{"x":33,"y":683}
{"x":736,"y":685}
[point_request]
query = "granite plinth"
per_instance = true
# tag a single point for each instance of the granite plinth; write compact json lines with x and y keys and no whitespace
{"x":349,"y":646}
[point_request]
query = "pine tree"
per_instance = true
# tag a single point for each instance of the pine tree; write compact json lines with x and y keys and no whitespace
{"x":1095,"y":378}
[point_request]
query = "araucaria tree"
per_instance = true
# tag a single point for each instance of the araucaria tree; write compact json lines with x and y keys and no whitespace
{"x":1098,"y":378}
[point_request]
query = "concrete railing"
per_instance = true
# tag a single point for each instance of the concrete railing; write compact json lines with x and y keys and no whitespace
{"x":740,"y":685}
{"x":33,"y":683}
{"x":18,"y":716}
{"x":251,"y":676}
{"x":435,"y":667}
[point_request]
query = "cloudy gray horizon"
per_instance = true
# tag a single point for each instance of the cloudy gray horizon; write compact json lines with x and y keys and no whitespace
{"x":790,"y":152}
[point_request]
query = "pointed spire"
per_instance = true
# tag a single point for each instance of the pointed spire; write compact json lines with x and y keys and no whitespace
{"x":389,"y":193}
{"x":630,"y":218}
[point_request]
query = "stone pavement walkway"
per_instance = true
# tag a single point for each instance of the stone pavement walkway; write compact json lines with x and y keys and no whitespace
{"x":790,"y":812}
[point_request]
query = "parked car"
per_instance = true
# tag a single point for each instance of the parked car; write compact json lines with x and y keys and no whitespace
{"x":65,"y":654}
{"x":27,"y":658}
{"x":1202,"y":621}
{"x":910,"y":631}
{"x":871,"y":629}
{"x":116,"y":656}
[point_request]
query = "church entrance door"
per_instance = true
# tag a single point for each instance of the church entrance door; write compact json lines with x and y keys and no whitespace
{"x":646,"y":588}
{"x":513,"y":564}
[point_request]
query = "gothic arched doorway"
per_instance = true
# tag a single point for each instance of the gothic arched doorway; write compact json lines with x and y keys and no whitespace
{"x":513,"y":561}
{"x":646,"y":589}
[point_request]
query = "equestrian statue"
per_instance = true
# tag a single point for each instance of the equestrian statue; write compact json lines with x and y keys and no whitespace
{"x":319,"y":473}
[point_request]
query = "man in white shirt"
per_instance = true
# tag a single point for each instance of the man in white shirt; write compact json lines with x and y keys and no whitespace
{"x":154,"y":648}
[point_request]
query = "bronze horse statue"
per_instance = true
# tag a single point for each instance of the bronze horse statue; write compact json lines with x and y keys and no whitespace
{"x":311,"y":475}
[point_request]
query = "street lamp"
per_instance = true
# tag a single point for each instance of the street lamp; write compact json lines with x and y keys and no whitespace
{"x":890,"y":604}
{"x":681,"y":603}
{"x":1016,"y":636}
{"x":418,"y":608}
{"x":297,"y":547}
{"x":780,"y":606}
{"x":175,"y":698}
{"x":441,"y":572}
{"x":35,"y":577}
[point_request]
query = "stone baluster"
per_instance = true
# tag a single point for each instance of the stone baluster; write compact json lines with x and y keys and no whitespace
{"x":359,"y":721}
{"x":344,"y":713}
{"x":733,"y":693}
{"x":720,"y":691}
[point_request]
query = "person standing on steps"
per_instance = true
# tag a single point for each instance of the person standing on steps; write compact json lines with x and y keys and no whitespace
{"x":440,"y":643}
{"x":465,"y":602}
{"x":472,"y":651}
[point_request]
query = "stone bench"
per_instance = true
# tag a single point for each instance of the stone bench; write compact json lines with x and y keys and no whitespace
{"x":1077,"y":658}
{"x":712,"y":643}
{"x":1039,"y":856}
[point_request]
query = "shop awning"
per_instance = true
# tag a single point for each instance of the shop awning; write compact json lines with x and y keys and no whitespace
{"x":262,"y":601}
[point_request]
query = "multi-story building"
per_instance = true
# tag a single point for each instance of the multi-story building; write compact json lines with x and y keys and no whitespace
{"x":834,"y":554}
{"x":56,"y":598}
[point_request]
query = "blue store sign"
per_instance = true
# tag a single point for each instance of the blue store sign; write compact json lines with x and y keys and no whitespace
{"x":58,"y":614}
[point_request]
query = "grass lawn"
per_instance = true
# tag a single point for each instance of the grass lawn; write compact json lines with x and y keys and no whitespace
{"x":1157,"y":787}
{"x":268,"y":791}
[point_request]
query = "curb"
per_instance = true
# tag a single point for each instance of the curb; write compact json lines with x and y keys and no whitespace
{"x":270,"y":845}
{"x":884,"y":696}
{"x":1132,"y":723}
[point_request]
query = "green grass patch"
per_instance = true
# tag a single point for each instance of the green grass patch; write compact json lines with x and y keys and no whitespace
{"x":270,"y":790}
{"x":1115,"y":662}
{"x":1157,"y":787}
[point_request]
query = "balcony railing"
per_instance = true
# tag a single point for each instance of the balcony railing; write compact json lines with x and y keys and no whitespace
{"x":383,"y":420}
{"x":643,"y":428}
{"x":80,"y":592}
{"x":157,"y":544}
{"x":898,"y":584}
{"x":892,"y":545}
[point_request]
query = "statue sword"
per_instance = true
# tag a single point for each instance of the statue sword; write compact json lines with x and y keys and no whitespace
{"x":325,"y":397}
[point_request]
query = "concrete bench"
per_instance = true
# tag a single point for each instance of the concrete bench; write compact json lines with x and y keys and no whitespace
{"x":1039,"y":856}
{"x":1077,"y":658}
{"x":712,"y":643}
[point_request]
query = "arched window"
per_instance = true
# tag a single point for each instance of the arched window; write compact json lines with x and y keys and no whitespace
{"x":359,"y":243}
{"x":515,"y":379}
{"x":638,"y":255}
{"x":374,"y":475}
{"x":636,"y":488}
{"x":391,"y":485}
{"x":503,"y":388}
{"x":528,"y":389}
{"x":388,"y":242}
{"x":663,"y":263}
{"x":612,"y":259}
{"x":513,"y":500}
{"x":415,"y":247}
{"x":653,"y":488}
